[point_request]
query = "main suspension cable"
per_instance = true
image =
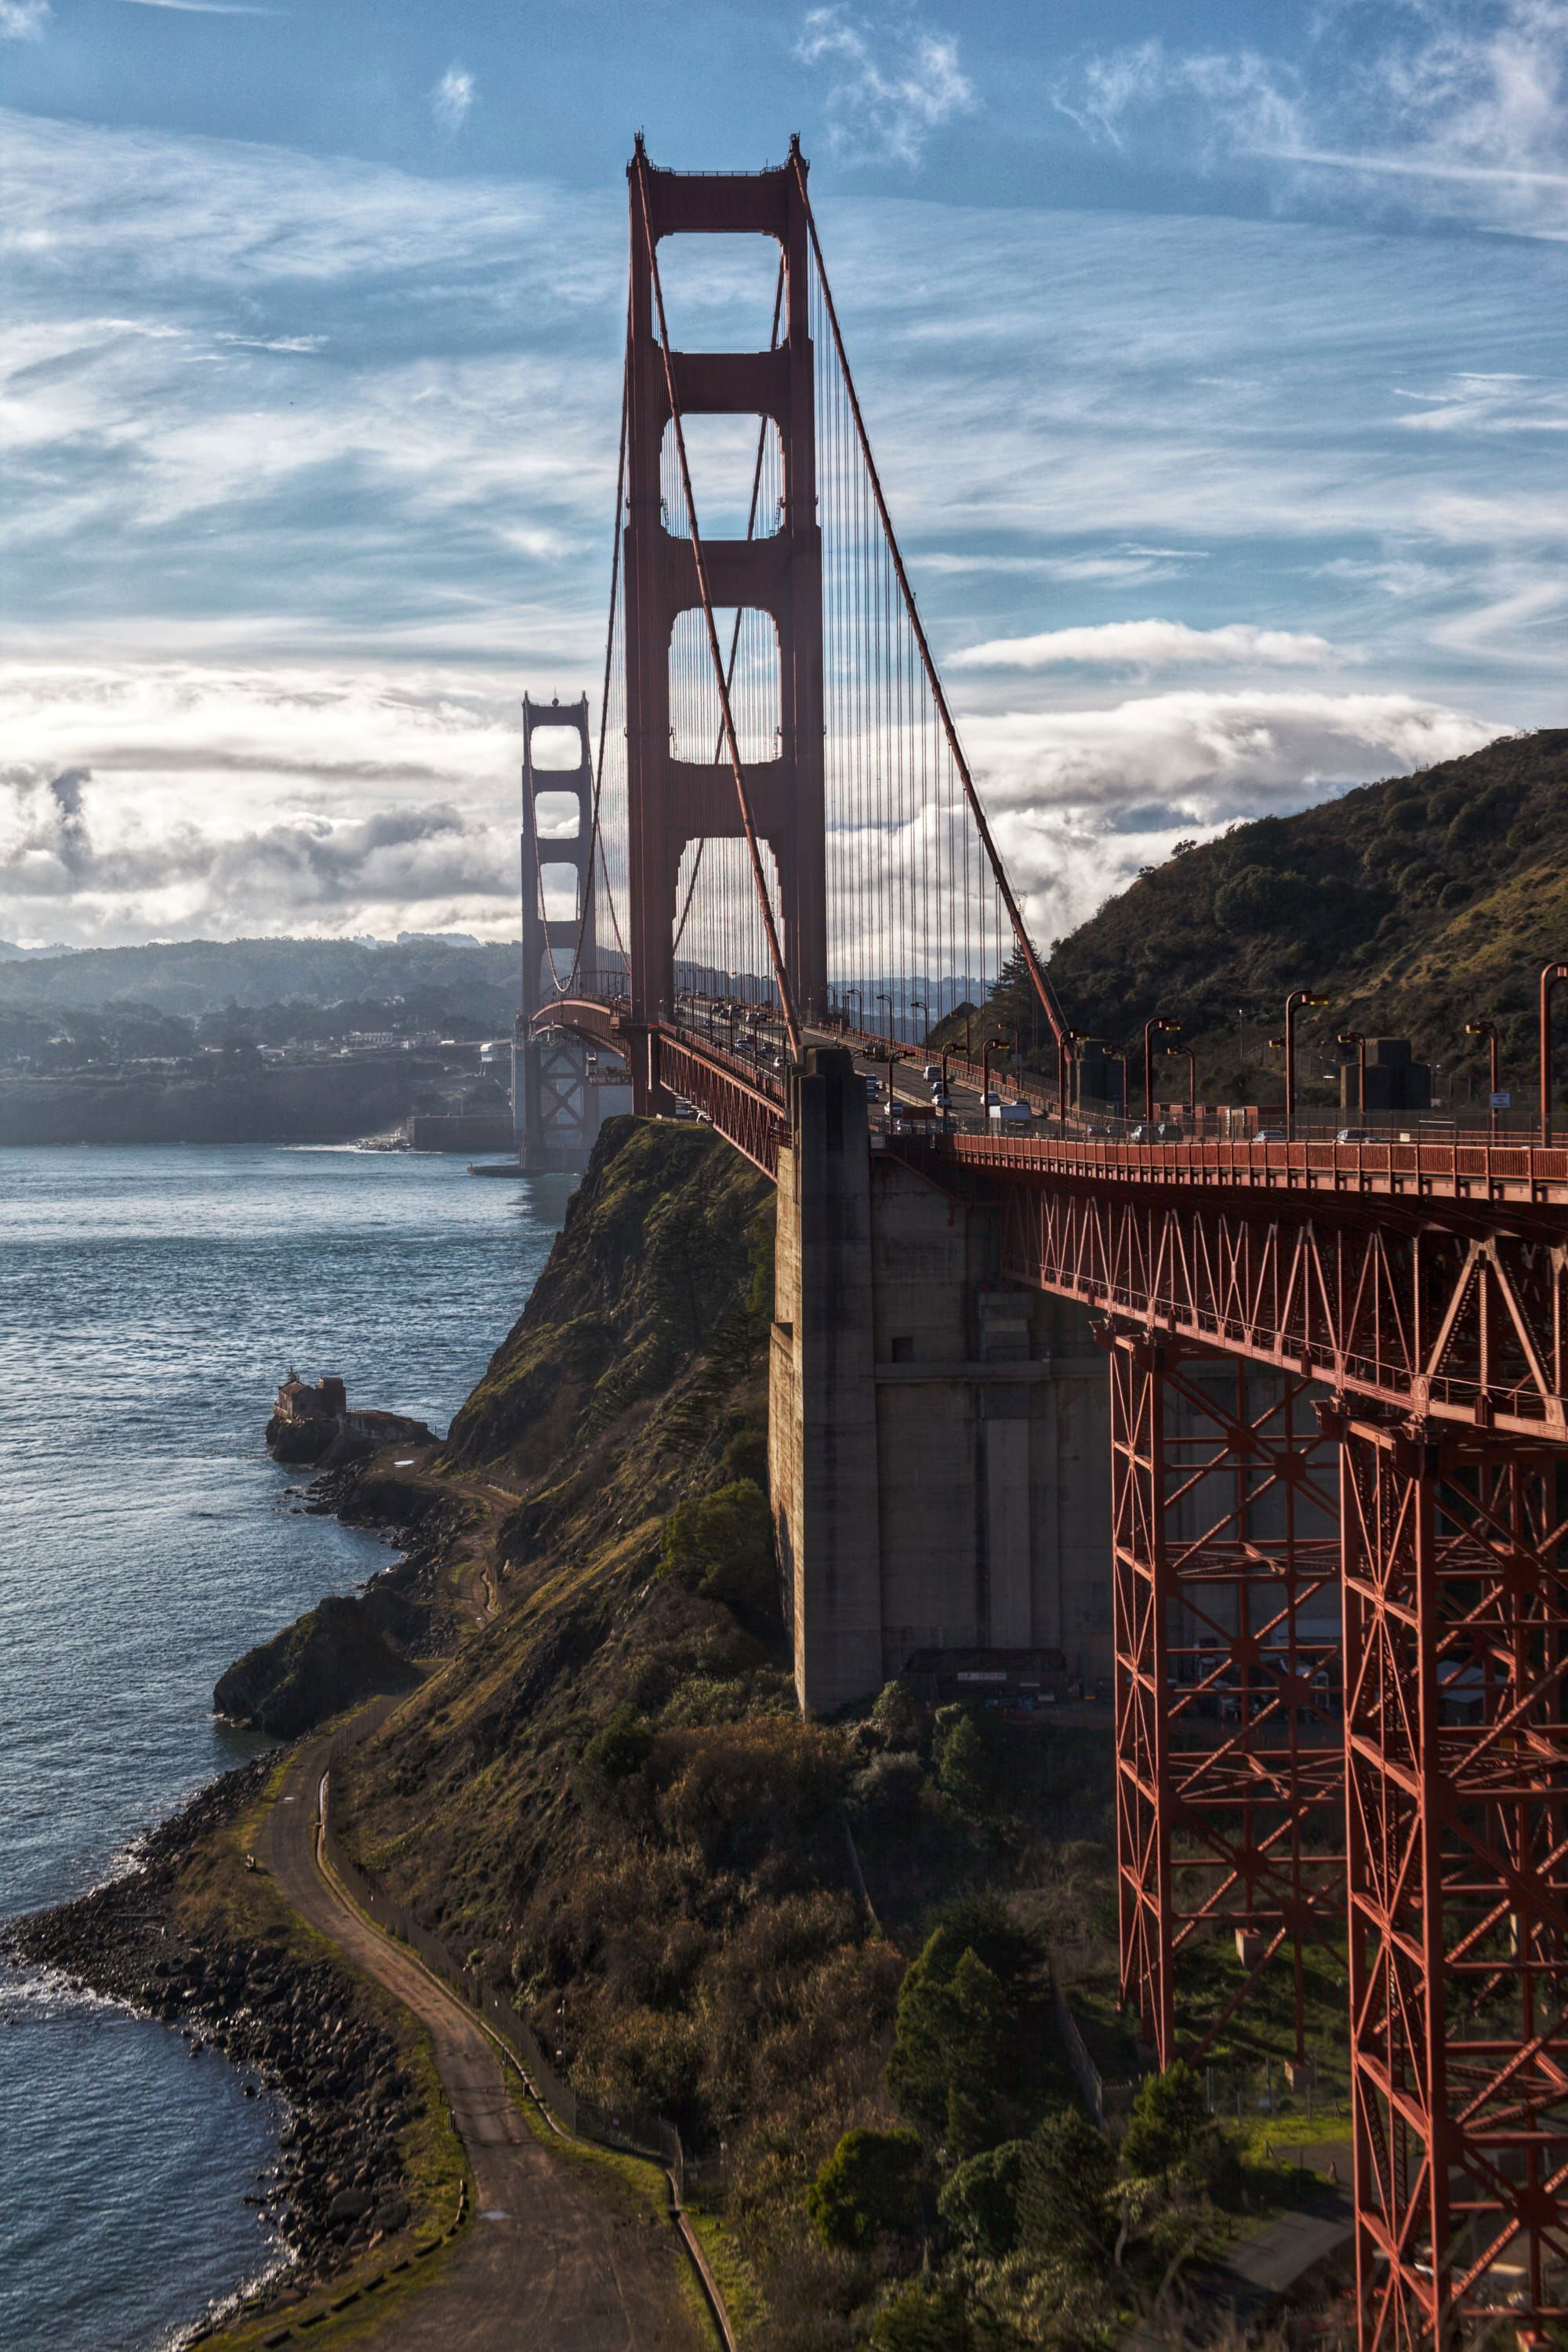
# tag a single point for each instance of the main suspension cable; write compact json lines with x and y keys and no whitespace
{"x":781,"y":973}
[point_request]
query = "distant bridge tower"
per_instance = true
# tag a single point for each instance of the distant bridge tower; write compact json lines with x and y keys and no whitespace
{"x":554,"y":1106}
{"x":674,"y":801}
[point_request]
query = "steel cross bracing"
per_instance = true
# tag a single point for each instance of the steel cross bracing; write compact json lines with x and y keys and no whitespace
{"x":1230,"y":1784}
{"x":1337,"y":1371}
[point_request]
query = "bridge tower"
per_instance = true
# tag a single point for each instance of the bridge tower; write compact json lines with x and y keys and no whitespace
{"x":674,"y":801}
{"x":554,"y":1107}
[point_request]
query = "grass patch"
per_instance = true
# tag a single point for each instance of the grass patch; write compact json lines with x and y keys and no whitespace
{"x":737,"y":2282}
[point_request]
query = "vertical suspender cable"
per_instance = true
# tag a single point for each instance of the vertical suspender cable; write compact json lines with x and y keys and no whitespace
{"x":576,"y":974}
{"x":1042,"y":985}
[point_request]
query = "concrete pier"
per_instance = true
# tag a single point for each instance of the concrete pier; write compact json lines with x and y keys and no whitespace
{"x":939,"y":1447}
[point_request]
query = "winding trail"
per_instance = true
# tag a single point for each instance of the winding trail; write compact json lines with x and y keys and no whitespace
{"x":546,"y":2263}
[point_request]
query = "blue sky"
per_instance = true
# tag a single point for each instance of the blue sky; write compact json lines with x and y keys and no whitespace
{"x":1214,"y":356}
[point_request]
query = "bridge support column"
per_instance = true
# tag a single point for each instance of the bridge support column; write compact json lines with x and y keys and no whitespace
{"x":1456,"y":1551}
{"x":1229,"y":1764}
{"x":822,"y":1417}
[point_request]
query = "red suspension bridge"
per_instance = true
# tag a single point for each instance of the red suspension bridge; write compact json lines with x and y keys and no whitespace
{"x":777,"y":816}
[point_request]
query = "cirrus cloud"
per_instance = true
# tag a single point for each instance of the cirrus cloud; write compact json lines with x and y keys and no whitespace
{"x":893,"y":82}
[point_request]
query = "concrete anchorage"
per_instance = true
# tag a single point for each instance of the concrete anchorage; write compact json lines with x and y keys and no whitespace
{"x":939,"y":1447}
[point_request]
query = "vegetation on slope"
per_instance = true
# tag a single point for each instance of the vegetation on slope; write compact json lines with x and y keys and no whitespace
{"x":1415,"y":905}
{"x":825,"y":1951}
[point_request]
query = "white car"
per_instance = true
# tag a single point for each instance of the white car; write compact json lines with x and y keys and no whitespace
{"x":932,"y":1073}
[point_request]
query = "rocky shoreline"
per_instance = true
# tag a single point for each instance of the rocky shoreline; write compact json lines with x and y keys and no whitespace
{"x":295,"y":2029}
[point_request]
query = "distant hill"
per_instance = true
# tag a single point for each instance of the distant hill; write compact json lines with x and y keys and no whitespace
{"x":196,"y":976}
{"x":1415,"y":905}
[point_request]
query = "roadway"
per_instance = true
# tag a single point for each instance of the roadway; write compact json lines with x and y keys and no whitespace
{"x":550,"y":2258}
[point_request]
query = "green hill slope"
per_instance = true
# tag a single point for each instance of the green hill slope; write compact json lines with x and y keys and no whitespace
{"x":1415,"y":905}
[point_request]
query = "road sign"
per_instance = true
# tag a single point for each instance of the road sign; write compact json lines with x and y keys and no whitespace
{"x":1503,"y":1101}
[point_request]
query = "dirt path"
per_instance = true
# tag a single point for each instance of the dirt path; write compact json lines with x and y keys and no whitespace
{"x":546,"y":2263}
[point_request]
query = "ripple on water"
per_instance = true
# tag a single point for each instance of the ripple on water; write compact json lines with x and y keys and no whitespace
{"x":131,"y":2175}
{"x":150,"y":1301}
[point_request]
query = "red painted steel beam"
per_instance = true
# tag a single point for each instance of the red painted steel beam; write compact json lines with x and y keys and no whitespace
{"x":1467,"y":1326}
{"x":1230,"y":1803}
{"x":1456,"y":1548}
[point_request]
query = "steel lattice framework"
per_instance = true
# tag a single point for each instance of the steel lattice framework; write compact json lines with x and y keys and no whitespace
{"x":1230,"y":1784}
{"x":1339,"y":1692}
{"x":1456,"y":1656}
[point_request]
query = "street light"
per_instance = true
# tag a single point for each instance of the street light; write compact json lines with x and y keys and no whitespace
{"x":1293,"y":1003}
{"x":1158,"y":1022}
{"x":1177,"y":1054}
{"x":883,"y":998}
{"x":1550,"y":977}
{"x":1487,"y":1029}
{"x":1354,"y":1037}
{"x":985,"y":1075}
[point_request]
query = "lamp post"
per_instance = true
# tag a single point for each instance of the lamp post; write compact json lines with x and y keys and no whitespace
{"x":985,"y":1075}
{"x":883,"y":998}
{"x":1354,"y":1037}
{"x":1171,"y":1028}
{"x":1487,"y":1029}
{"x":1550,"y":977}
{"x":1293,"y":1004}
{"x":919,"y":1004}
{"x":1177,"y":1054}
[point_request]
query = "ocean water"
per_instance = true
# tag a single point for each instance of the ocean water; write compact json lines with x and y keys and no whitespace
{"x":151,"y":1300}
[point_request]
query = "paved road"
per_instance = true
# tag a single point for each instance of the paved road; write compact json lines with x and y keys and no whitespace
{"x":546,"y":2263}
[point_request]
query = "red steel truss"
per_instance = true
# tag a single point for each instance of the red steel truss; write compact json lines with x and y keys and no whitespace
{"x":1456,"y":1549}
{"x":1230,"y":1804}
{"x":1447,"y":1313}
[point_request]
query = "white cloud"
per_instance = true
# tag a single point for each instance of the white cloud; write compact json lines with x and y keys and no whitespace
{"x":1460,"y":113}
{"x":22,"y":20}
{"x":1148,"y":645}
{"x":163,"y":799}
{"x":452,"y":98}
{"x":894,"y":82}
{"x":1078,"y":800}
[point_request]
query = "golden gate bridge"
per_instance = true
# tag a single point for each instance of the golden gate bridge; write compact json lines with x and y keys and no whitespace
{"x":775,"y":817}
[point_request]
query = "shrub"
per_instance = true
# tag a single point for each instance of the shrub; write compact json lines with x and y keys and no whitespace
{"x":614,"y":1755}
{"x":869,"y":2189}
{"x":927,"y":2315}
{"x":1168,"y":2125}
{"x":980,"y":2203}
{"x":899,"y":1715}
{"x":722,"y":1546}
{"x":956,"y":2063}
{"x":1065,"y":2174}
{"x":1255,"y":898}
{"x":752,"y":1788}
{"x":960,"y":1758}
{"x":886,"y":1794}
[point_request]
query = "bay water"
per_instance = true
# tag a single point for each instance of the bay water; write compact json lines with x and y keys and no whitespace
{"x":151,"y":1300}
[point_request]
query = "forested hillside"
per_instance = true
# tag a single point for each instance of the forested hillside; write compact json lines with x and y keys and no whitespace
{"x":1415,"y":905}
